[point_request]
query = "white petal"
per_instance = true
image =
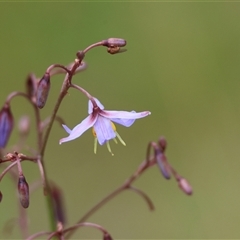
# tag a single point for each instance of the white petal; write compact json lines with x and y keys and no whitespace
{"x":68,"y":130}
{"x":104,"y":130}
{"x":123,"y":114}
{"x":90,"y":105}
{"x":80,"y":128}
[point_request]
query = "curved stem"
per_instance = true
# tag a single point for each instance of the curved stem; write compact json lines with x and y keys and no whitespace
{"x":86,"y":224}
{"x":144,"y":196}
{"x":39,"y":234}
{"x":92,"y":46}
{"x":89,"y":96}
{"x":143,"y":166}
{"x":57,"y":65}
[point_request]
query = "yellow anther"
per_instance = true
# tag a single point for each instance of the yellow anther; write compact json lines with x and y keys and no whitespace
{"x":94,"y":133}
{"x":113,"y":127}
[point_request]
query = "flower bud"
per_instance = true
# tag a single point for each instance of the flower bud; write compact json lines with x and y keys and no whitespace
{"x":1,"y":196}
{"x":58,"y":202}
{"x":161,"y":161}
{"x":107,"y":236}
{"x":114,"y":42}
{"x":6,"y":125}
{"x":31,"y":85}
{"x":185,"y":186}
{"x":23,"y":191}
{"x":24,"y":125}
{"x":43,"y":90}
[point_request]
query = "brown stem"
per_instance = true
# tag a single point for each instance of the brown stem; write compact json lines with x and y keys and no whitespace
{"x":39,"y":234}
{"x":143,"y":166}
{"x":144,"y":196}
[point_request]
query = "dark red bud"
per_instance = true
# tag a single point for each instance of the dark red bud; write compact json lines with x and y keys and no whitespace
{"x":114,"y":42}
{"x":23,"y":191}
{"x":6,"y":125}
{"x":161,"y":161}
{"x":107,"y":236}
{"x":43,"y":90}
{"x":1,"y":196}
{"x":58,"y":202}
{"x":185,"y":186}
{"x":31,"y":85}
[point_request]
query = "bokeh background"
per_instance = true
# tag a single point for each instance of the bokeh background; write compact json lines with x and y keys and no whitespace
{"x":182,"y":64}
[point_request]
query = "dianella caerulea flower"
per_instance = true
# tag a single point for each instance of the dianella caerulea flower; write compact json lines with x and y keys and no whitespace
{"x":102,"y":123}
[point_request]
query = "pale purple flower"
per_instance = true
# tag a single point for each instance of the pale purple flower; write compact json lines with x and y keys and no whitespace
{"x":102,"y":123}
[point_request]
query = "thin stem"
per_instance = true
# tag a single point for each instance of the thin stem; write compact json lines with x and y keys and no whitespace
{"x":143,"y":166}
{"x":49,"y":199}
{"x":57,"y":65}
{"x":86,"y":224}
{"x":8,"y":168}
{"x":62,"y":94}
{"x":39,"y":234}
{"x":15,"y":94}
{"x":92,"y":46}
{"x":144,"y":196}
{"x":36,"y":110}
{"x":89,"y":96}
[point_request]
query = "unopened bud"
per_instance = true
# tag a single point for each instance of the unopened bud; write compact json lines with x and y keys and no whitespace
{"x":107,"y":236}
{"x":161,"y":161}
{"x":31,"y":85}
{"x":6,"y":125}
{"x":24,"y":125}
{"x":114,"y":42}
{"x":23,"y":191}
{"x":58,"y":202}
{"x":162,"y":143}
{"x":1,"y":196}
{"x":43,"y":90}
{"x":185,"y":186}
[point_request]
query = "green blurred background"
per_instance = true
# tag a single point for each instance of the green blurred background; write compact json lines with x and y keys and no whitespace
{"x":182,"y":64}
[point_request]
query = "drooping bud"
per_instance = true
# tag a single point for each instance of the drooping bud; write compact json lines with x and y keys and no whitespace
{"x":58,"y":202}
{"x":31,"y":85}
{"x":161,"y":161}
{"x":114,"y":42}
{"x":185,"y":186}
{"x":107,"y":236}
{"x":1,"y":196}
{"x":6,"y":125}
{"x":24,"y":125}
{"x":23,"y":191}
{"x":43,"y":90}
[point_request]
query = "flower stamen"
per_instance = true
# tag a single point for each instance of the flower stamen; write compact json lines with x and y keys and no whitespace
{"x":109,"y":148}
